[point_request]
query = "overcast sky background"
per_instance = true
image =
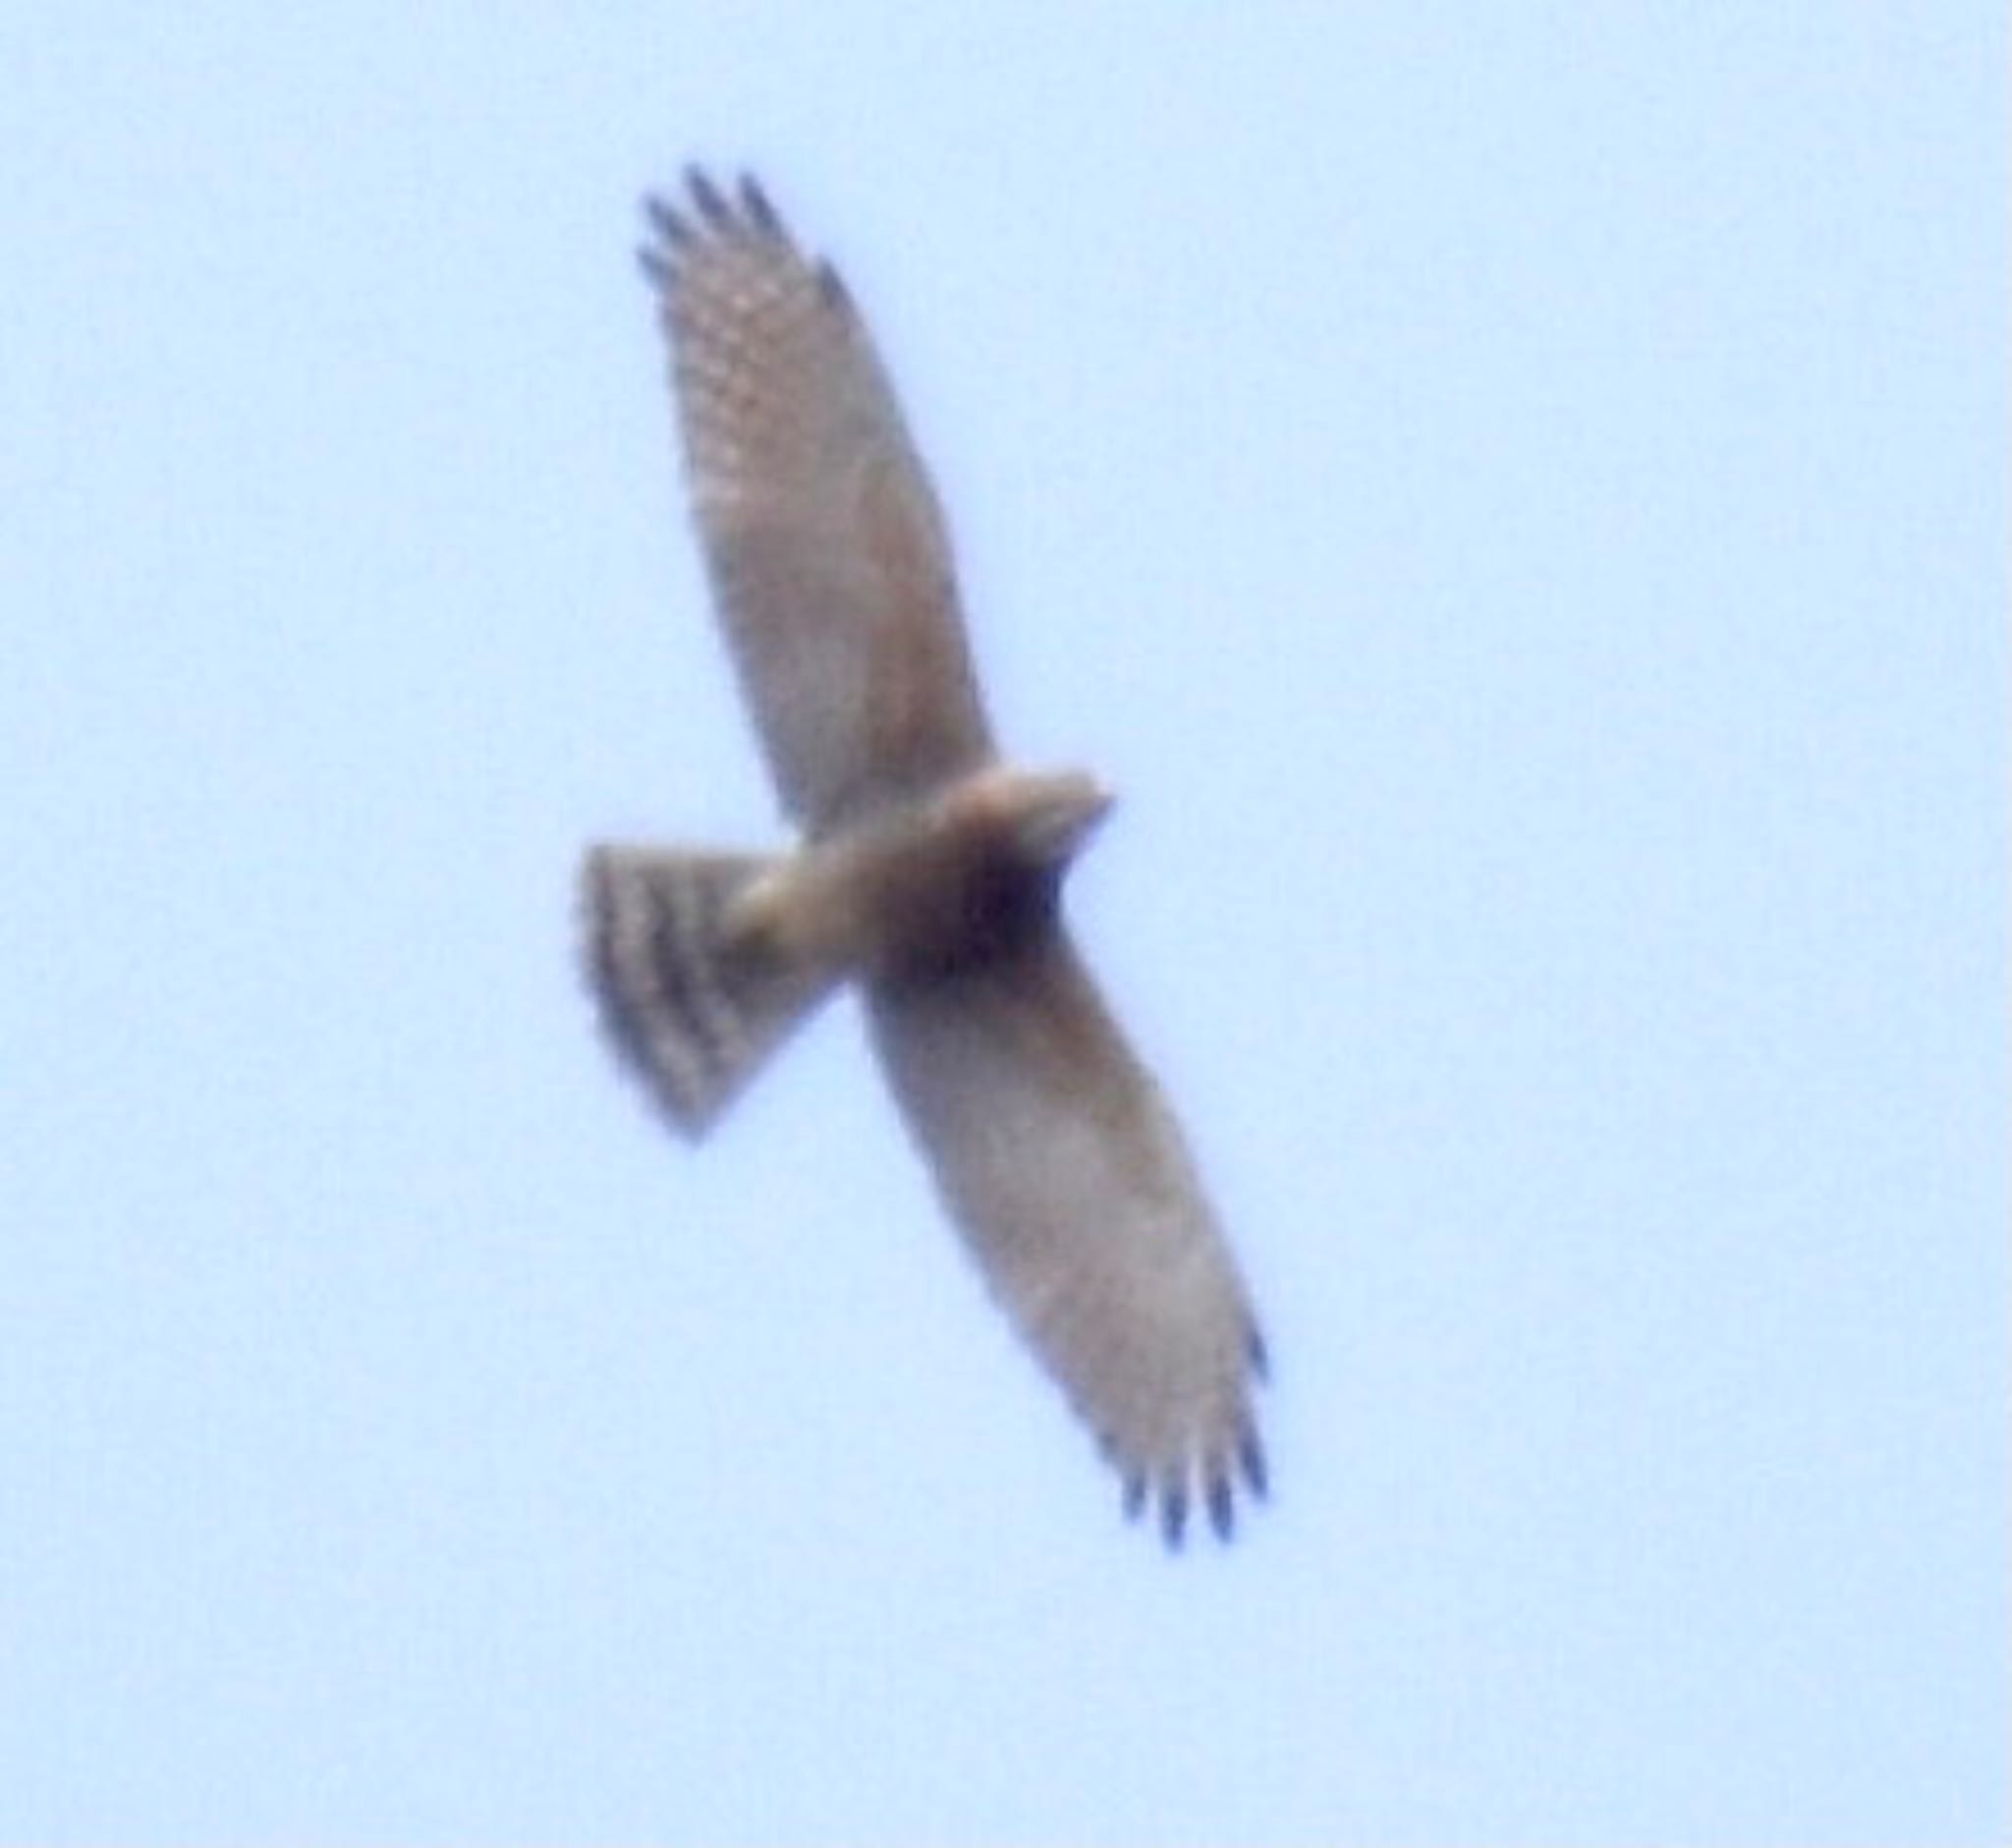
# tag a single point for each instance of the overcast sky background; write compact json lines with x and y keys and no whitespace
{"x":1516,"y":501}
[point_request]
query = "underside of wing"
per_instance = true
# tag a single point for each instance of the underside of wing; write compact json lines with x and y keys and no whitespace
{"x":1056,"y":1157}
{"x":826,"y":549}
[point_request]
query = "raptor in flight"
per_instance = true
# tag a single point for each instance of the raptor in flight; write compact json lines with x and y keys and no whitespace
{"x":928,"y":874}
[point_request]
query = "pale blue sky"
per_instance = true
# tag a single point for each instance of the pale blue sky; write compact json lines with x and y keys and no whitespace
{"x":1514,"y":498}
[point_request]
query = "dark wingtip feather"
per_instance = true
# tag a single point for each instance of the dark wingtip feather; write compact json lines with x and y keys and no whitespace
{"x":1173,"y":1515}
{"x":667,"y":221}
{"x":708,"y":198}
{"x":831,"y":286}
{"x":673,"y":236}
{"x":759,"y":212}
{"x":1223,"y":1507}
{"x":657,"y":268}
{"x":1250,"y":1460}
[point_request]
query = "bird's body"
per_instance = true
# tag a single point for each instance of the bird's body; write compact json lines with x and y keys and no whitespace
{"x":929,"y":875}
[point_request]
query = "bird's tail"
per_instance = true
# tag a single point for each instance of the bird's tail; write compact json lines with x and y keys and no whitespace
{"x":691,"y":1005}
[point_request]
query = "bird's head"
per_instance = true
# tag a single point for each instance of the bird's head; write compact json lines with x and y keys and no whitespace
{"x":1041,"y":820}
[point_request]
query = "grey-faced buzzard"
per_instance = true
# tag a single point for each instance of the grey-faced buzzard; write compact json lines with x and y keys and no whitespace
{"x":928,"y":874}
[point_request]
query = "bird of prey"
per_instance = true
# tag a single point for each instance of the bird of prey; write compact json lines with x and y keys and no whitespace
{"x":928,"y":874}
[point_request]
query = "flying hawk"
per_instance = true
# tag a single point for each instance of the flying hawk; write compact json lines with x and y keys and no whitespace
{"x":928,"y":874}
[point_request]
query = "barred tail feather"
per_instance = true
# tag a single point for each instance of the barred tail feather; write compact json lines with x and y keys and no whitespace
{"x":689,"y":1008}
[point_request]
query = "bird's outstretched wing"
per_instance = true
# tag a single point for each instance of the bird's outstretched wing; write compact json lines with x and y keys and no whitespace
{"x":827,"y":552}
{"x":1066,"y":1173}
